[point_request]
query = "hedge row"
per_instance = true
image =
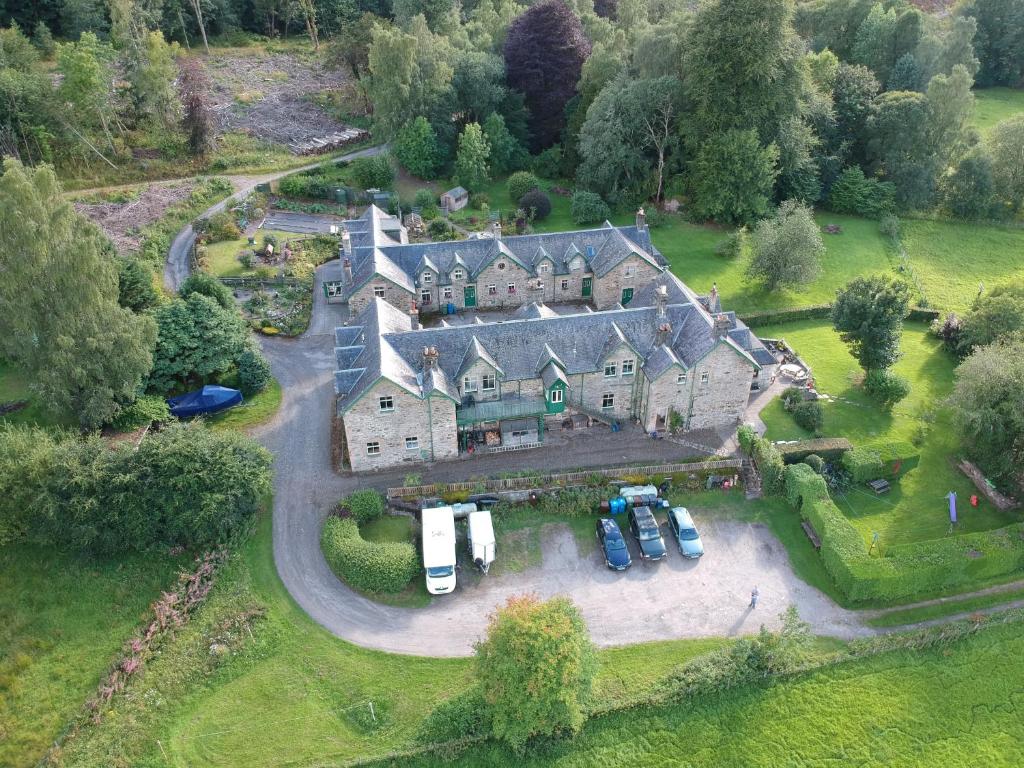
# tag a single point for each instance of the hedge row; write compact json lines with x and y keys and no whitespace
{"x":908,"y":570}
{"x":821,"y":312}
{"x":888,"y":459}
{"x":766,"y":456}
{"x":366,"y":565}
{"x":829,"y":448}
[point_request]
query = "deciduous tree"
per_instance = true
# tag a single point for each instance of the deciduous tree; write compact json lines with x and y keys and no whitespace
{"x":999,"y":41}
{"x":1006,"y":145}
{"x":416,"y":149}
{"x":471,"y":161}
{"x":868,"y":314}
{"x":787,"y":247}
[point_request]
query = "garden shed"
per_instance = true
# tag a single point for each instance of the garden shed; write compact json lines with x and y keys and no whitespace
{"x":455,"y":199}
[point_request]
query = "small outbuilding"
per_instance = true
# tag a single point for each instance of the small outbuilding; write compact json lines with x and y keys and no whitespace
{"x":455,"y":199}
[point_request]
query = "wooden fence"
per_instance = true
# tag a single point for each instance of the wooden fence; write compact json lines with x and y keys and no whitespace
{"x":263,"y":282}
{"x":557,"y":479}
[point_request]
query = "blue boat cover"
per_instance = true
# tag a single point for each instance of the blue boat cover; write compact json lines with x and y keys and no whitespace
{"x":209,"y":399}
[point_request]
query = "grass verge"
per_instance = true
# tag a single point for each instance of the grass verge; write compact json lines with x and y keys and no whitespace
{"x":253,"y":412}
{"x":942,"y":610}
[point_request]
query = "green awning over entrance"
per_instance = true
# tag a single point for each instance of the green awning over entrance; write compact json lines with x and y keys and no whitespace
{"x":496,"y":410}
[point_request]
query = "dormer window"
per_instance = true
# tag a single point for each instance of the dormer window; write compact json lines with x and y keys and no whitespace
{"x":458,"y":274}
{"x":427,"y":278}
{"x":544,"y":268}
{"x":576,"y":264}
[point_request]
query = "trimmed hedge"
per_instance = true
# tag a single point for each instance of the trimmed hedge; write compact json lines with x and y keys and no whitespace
{"x":370,"y":566}
{"x":363,"y":506}
{"x":821,"y":312}
{"x":766,"y":456}
{"x":888,"y":459}
{"x":908,"y":570}
{"x":829,"y":448}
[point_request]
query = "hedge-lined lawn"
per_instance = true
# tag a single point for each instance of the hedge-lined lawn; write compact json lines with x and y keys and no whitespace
{"x":292,"y":694}
{"x":222,"y":258}
{"x":956,"y":705}
{"x":859,"y":249}
{"x":992,"y":105}
{"x":952,"y":258}
{"x":916,"y":509}
{"x":64,"y":619}
{"x":253,"y":411}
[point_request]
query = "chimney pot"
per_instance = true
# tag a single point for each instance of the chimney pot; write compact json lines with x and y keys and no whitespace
{"x":641,"y":219}
{"x":661,"y":297}
{"x":346,"y":267}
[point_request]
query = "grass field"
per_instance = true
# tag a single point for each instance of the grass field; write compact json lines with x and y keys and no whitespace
{"x":14,"y":386}
{"x":859,"y":249}
{"x":953,"y":258}
{"x":941,"y":610}
{"x":992,"y":105}
{"x":916,"y":508}
{"x":253,"y":411}
{"x":290,"y":693}
{"x":956,"y":706}
{"x":222,"y":258}
{"x":64,"y":619}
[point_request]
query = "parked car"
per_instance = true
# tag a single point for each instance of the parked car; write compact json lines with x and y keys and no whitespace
{"x":684,"y":532}
{"x":616,"y":555}
{"x":645,"y":529}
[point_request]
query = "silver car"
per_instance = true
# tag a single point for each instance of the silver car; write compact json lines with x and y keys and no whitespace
{"x":685,"y":533}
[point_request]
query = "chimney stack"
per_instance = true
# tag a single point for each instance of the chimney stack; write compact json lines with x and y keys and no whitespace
{"x":661,"y":298}
{"x":346,"y":268}
{"x":713,"y":298}
{"x":346,"y":243}
{"x":662,"y":336}
{"x":722,"y":324}
{"x":496,"y":229}
{"x":414,"y":316}
{"x":641,"y":219}
{"x":429,"y":358}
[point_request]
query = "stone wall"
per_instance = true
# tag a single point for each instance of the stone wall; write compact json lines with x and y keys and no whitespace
{"x":594,"y":386}
{"x":393,"y":295}
{"x":633,"y":272}
{"x":500,"y":273}
{"x":722,"y":401}
{"x":664,"y":394}
{"x":476,"y":372}
{"x":411,"y":417}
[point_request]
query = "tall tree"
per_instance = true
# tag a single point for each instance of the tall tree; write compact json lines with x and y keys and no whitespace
{"x":87,"y":85}
{"x":875,"y":45}
{"x":787,"y":247}
{"x":471,"y":168}
{"x":999,"y":41}
{"x":544,"y":54}
{"x":59,"y":314}
{"x":968,"y":191}
{"x":902,"y":145}
{"x":743,"y":65}
{"x":507,"y":154}
{"x":854,"y":94}
{"x":536,"y":669}
{"x":415,"y":147}
{"x":196,"y":118}
{"x":154,"y":80}
{"x":733,"y":177}
{"x":1006,"y":143}
{"x":868,"y":314}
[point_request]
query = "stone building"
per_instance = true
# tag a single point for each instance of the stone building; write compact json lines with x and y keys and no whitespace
{"x":407,"y":394}
{"x":604,"y":267}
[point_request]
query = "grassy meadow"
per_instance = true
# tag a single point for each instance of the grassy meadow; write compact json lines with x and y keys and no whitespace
{"x":993,"y":105}
{"x":916,"y":509}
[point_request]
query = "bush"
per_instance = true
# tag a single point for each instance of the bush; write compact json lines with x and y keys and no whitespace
{"x":479,"y":200}
{"x":855,"y":193}
{"x":732,"y":246}
{"x":536,"y":204}
{"x":769,"y":462}
{"x":463,"y":715}
{"x":863,"y":464}
{"x":143,"y":412}
{"x":221,"y":226}
{"x":746,"y":437}
{"x":589,"y":208}
{"x":439,"y":229}
{"x":815,"y":462}
{"x":373,"y":172}
{"x":548,"y":163}
{"x":889,"y":226}
{"x":207,"y":285}
{"x":253,"y":370}
{"x":791,"y":397}
{"x":521,"y":182}
{"x":948,"y":330}
{"x":363,"y":506}
{"x":809,"y":415}
{"x":424,"y":198}
{"x":829,"y":448}
{"x":135,"y":285}
{"x":885,"y":387}
{"x":373,"y":567}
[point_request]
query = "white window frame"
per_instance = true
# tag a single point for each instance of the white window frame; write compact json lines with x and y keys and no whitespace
{"x":390,"y":403}
{"x":458,"y":274}
{"x":544,"y":268}
{"x":576,"y":264}
{"x":705,"y":377}
{"x":681,"y":378}
{"x":511,"y":289}
{"x":520,"y":433}
{"x":557,"y":395}
{"x":628,"y":366}
{"x":425,"y":296}
{"x":469,"y":385}
{"x":373,"y":448}
{"x":607,"y":401}
{"x":492,"y":290}
{"x":629,"y":270}
{"x":488,"y":377}
{"x":447,"y":293}
{"x":427,"y":278}
{"x":610,"y":370}
{"x":379,"y":291}
{"x":412,"y":443}
{"x":565,"y":285}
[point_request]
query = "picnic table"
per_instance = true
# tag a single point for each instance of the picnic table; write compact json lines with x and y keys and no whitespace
{"x":879,"y":486}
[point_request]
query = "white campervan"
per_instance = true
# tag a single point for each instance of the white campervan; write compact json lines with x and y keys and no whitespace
{"x":439,"y":549}
{"x":481,"y":539}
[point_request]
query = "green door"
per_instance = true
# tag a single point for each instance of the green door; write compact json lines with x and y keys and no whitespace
{"x":588,"y":286}
{"x":627,"y":296}
{"x":469,"y":296}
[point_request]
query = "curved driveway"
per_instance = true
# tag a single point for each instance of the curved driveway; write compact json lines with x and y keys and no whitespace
{"x":177,"y":267}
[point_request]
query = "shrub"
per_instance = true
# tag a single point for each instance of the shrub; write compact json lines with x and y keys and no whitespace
{"x":521,"y":182}
{"x":815,"y":462}
{"x":207,"y":285}
{"x":296,"y":185}
{"x":589,"y":208}
{"x":363,"y":506}
{"x":536,"y":204}
{"x":571,"y":502}
{"x":791,"y":397}
{"x":548,"y":162}
{"x":424,"y":198}
{"x":479,"y":200}
{"x":829,"y":448}
{"x":746,"y":436}
{"x":948,"y":330}
{"x":143,"y":412}
{"x":809,"y":415}
{"x":373,"y":567}
{"x":863,"y":464}
{"x":220,"y":226}
{"x":769,"y":462}
{"x":855,"y":193}
{"x":889,"y":226}
{"x":885,"y":387}
{"x":465,"y":714}
{"x":732,"y":246}
{"x":135,"y":285}
{"x":373,"y":172}
{"x":253,"y":370}
{"x":439,"y":229}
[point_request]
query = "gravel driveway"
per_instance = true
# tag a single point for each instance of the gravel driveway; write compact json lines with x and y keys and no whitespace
{"x":672,"y":599}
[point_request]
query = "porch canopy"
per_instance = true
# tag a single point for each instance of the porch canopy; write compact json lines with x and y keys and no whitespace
{"x":496,"y":410}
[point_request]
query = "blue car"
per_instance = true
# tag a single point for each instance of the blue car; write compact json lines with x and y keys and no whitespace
{"x":685,"y":533}
{"x":616,"y":556}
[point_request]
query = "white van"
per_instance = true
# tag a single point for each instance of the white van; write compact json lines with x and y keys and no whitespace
{"x":439,"y":549}
{"x":481,"y":540}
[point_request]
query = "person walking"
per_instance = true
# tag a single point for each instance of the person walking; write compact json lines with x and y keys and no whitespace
{"x":753,"y":598}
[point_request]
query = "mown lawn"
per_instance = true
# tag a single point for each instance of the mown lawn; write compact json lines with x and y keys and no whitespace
{"x":992,"y":105}
{"x":916,"y":509}
{"x":859,"y":249}
{"x":253,"y":411}
{"x":14,"y":387}
{"x":940,"y":610}
{"x":956,"y":706}
{"x":222,"y":258}
{"x":64,"y":619}
{"x":290,"y":693}
{"x":954,"y":259}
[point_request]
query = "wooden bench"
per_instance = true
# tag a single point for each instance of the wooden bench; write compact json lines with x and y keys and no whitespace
{"x":879,"y":486}
{"x":811,"y":534}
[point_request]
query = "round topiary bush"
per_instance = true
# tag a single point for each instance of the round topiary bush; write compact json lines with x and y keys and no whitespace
{"x":537,"y":204}
{"x":370,"y":566}
{"x":809,"y":415}
{"x":815,"y":462}
{"x":521,"y":182}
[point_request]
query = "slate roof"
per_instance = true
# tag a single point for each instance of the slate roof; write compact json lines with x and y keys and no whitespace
{"x":375,"y":251}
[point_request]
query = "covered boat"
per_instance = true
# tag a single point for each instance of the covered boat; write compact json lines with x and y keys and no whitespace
{"x":210,"y":399}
